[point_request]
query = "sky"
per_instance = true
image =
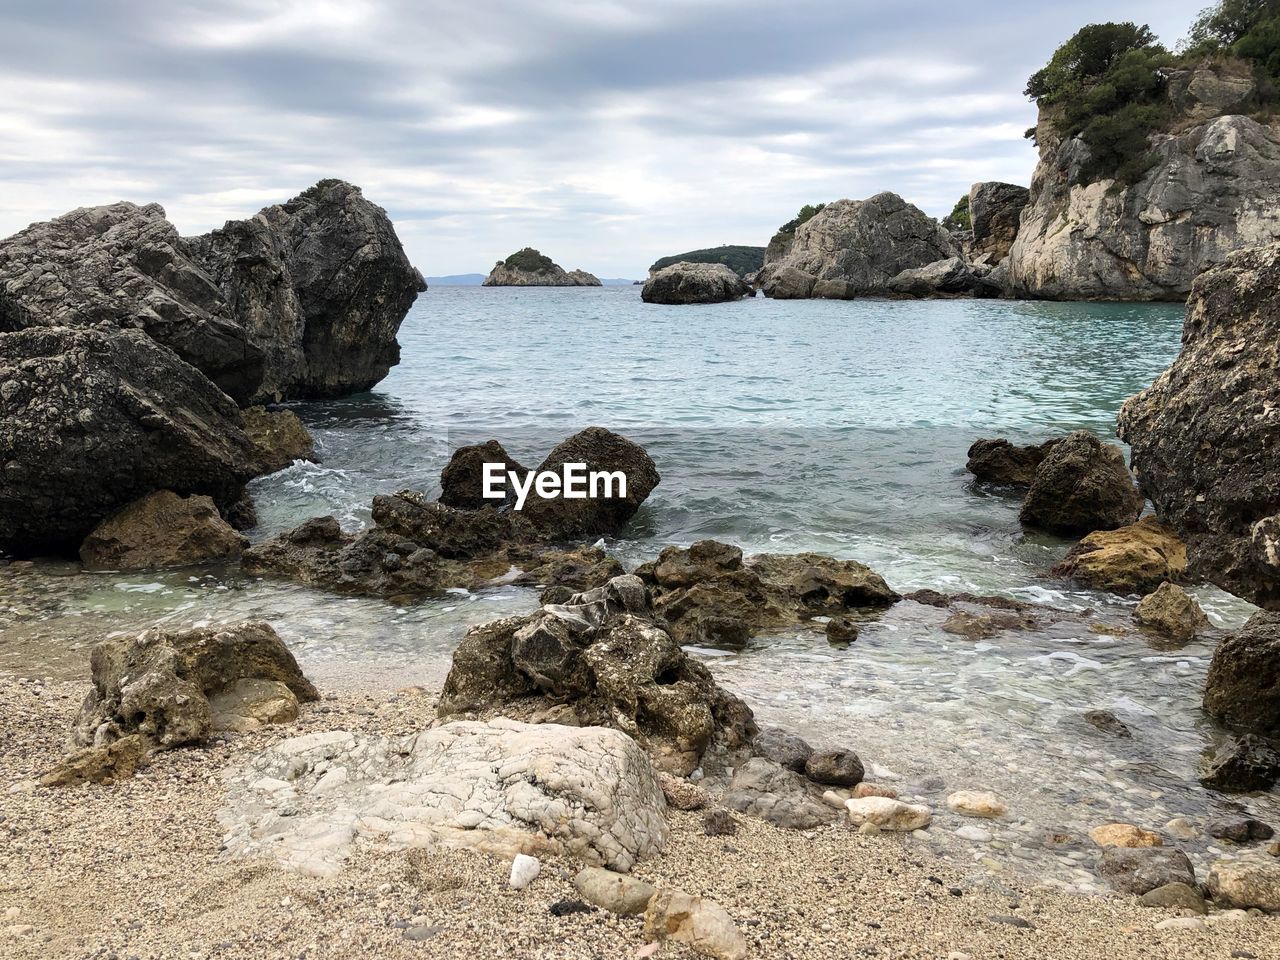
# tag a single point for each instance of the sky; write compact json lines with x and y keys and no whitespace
{"x":604,"y":133}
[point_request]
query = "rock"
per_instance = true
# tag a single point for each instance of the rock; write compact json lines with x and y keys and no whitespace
{"x":321,"y":285}
{"x":705,"y":560}
{"x":278,"y":437}
{"x":1247,"y":883}
{"x":1184,"y":924}
{"x":1081,"y":485}
{"x":953,"y":277}
{"x":682,"y":794}
{"x":1218,"y":396}
{"x":1243,"y":685}
{"x":98,"y":764}
{"x":1135,"y":558}
{"x":974,"y":833}
{"x":1012,"y":921}
{"x":92,"y":420}
{"x":565,"y":908}
{"x":1240,"y":831}
{"x":1173,"y":613}
{"x":615,"y":892}
{"x":1109,"y":723}
{"x":977,"y":803}
{"x":1175,"y":896}
{"x":524,"y":870}
{"x":1124,"y":835}
{"x":839,"y":768}
{"x":529,"y":268}
{"x":159,"y":683}
{"x":982,"y":626}
{"x":161,"y":530}
{"x":995,"y":210}
{"x":703,"y":925}
{"x":762,"y":788}
{"x":1242,"y":765}
{"x":841,"y":631}
{"x":1138,"y":871}
{"x":865,"y":789}
{"x":503,"y":786}
{"x":251,"y":703}
{"x":888,"y":814}
{"x":685,"y":282}
{"x":719,"y":823}
{"x":854,"y":248}
{"x":462,"y":479}
{"x":999,"y":461}
{"x":782,"y":747}
{"x":1182,"y":829}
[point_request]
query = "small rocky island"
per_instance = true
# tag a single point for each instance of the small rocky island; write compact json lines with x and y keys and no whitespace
{"x":531,"y":268}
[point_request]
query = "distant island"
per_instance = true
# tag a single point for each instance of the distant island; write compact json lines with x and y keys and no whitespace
{"x":742,"y":260}
{"x":532,"y":268}
{"x":477,"y":279}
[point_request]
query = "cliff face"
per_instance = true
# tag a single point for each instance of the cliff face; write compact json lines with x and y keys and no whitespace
{"x":529,"y":268}
{"x":1213,"y":187}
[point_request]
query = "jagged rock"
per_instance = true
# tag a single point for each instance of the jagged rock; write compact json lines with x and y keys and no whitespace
{"x":1136,"y":558}
{"x":719,"y":823}
{"x":1139,"y":870}
{"x":765,"y":789}
{"x":704,"y":560}
{"x":838,"y":768}
{"x":1243,"y":685}
{"x":1173,"y":613}
{"x":161,"y":530}
{"x":782,"y":747}
{"x":1081,"y":485}
{"x":854,"y":247}
{"x":999,"y":461}
{"x":995,"y":209}
{"x":684,"y":282}
{"x":117,"y":760}
{"x":159,"y":683}
{"x":1242,"y":765}
{"x":1203,"y":435}
{"x":983,"y":626}
{"x":279,"y":438}
{"x":953,"y":277}
{"x":682,"y":794}
{"x":321,"y":284}
{"x":529,"y":268}
{"x":705,"y":926}
{"x":91,"y":420}
{"x":1246,"y":884}
{"x":462,"y":479}
{"x":502,"y":786}
{"x":604,"y":657}
{"x":841,"y":631}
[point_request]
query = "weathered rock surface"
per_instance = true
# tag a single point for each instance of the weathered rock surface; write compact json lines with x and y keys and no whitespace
{"x":462,"y":479}
{"x":995,"y":210}
{"x":91,"y":420}
{"x":888,"y":814}
{"x":953,"y":277}
{"x":1242,"y":765}
{"x":837,"y":768}
{"x":504,"y":786}
{"x":704,"y":925}
{"x":685,"y":282}
{"x":1204,"y":434}
{"x":616,"y":892}
{"x":279,"y":438}
{"x":765,"y":789}
{"x":782,"y":747}
{"x":1139,"y":870}
{"x":1175,"y":896}
{"x":977,"y":803}
{"x":1081,"y":485}
{"x":1135,"y":558}
{"x":1124,"y":835}
{"x":161,"y":530}
{"x":999,"y":461}
{"x":1243,"y":686}
{"x":117,"y":760}
{"x":854,"y":247}
{"x":1246,"y":884}
{"x":529,"y":268}
{"x":1173,"y":613}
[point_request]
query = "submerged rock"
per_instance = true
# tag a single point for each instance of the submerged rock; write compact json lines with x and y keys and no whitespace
{"x":1139,"y":870}
{"x":462,"y":479}
{"x":1173,"y":613}
{"x":1243,"y":686}
{"x":1242,"y":765}
{"x":888,"y":814}
{"x":999,"y":461}
{"x":684,"y":282}
{"x":1081,"y":485}
{"x":530,"y":268}
{"x":1136,"y":558}
{"x":161,"y":530}
{"x":279,"y":438}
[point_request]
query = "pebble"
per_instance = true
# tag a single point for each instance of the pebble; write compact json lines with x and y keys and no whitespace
{"x":524,"y":869}
{"x":421,"y":933}
{"x":1182,"y":923}
{"x":976,"y":834}
{"x":1011,"y":921}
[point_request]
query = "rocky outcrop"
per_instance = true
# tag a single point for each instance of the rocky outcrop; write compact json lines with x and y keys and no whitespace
{"x":1203,"y":435}
{"x":1173,"y":613}
{"x":279,"y":438}
{"x":91,"y":420}
{"x":1243,"y":685}
{"x":462,"y":479}
{"x":954,"y":277}
{"x":684,"y":282}
{"x":999,"y":461}
{"x":1136,"y":558}
{"x":531,"y":268}
{"x":995,"y":211}
{"x":161,"y":530}
{"x":602,"y":658}
{"x":1081,"y":485}
{"x":1242,"y":765}
{"x":854,"y":248}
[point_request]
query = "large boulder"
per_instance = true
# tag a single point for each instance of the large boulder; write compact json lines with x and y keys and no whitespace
{"x":1248,"y":883}
{"x":91,"y":420}
{"x":1135,"y":558}
{"x":999,"y":461}
{"x":1243,"y":686}
{"x":1081,"y":485}
{"x":953,"y":277}
{"x":1204,"y":434}
{"x":531,"y":268}
{"x":1173,"y":613}
{"x":995,"y":210}
{"x":686,"y":282}
{"x":854,"y":248}
{"x":279,"y":438}
{"x":462,"y":479}
{"x":161,"y":530}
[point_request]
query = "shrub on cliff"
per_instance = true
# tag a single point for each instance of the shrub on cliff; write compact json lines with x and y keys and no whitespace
{"x":530,"y":261}
{"x":807,"y":213}
{"x":959,"y":218}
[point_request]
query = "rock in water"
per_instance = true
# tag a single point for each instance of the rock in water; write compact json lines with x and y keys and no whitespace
{"x":1173,"y":613}
{"x":531,"y":268}
{"x":977,"y":803}
{"x":1242,"y":765}
{"x":888,"y":814}
{"x":1220,"y":397}
{"x":839,"y":768}
{"x":1139,"y":870}
{"x":953,"y":277}
{"x":279,"y":438}
{"x":161,"y":530}
{"x":462,"y":479}
{"x":995,"y":210}
{"x":999,"y":461}
{"x":1136,"y":558}
{"x":1243,"y":686}
{"x":1124,"y":835}
{"x":91,"y":420}
{"x":1081,"y":485}
{"x":782,"y":747}
{"x":686,"y":282}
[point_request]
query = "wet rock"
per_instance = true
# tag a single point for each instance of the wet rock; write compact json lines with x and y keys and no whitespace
{"x":1175,"y":896}
{"x":1247,"y":883}
{"x":1081,"y":485}
{"x":999,"y":461}
{"x":682,"y":794}
{"x":161,"y":530}
{"x":719,"y":823}
{"x":841,"y":631}
{"x":1138,"y":871}
{"x":1242,"y":765}
{"x":839,"y":768}
{"x":615,"y":892}
{"x":1124,"y":835}
{"x":995,"y":210}
{"x":977,"y":803}
{"x":705,"y":926}
{"x":1243,"y":686}
{"x":762,"y":788}
{"x":684,"y":282}
{"x":1135,"y":558}
{"x":1108,"y":722}
{"x":279,"y":438}
{"x":887,"y":814}
{"x":783,"y":748}
{"x":982,"y":626}
{"x":705,"y":560}
{"x":1246,"y":830}
{"x":462,"y":479}
{"x":117,"y":760}
{"x":1172,"y":613}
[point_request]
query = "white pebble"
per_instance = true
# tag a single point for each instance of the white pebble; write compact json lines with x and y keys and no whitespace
{"x":524,"y":869}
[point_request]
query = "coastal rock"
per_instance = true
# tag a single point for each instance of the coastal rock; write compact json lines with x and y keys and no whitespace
{"x":462,"y":479}
{"x":999,"y":461}
{"x":1081,"y":485}
{"x":1173,"y":613}
{"x":685,"y":282}
{"x":615,"y":892}
{"x":1108,"y":723}
{"x":838,"y":768}
{"x":995,"y":210}
{"x":1124,"y":835}
{"x":854,"y":248}
{"x":1242,"y":765}
{"x":1247,"y":830}
{"x":278,"y":437}
{"x":161,"y":530}
{"x":530,"y":268}
{"x":1135,"y":558}
{"x":91,"y":420}
{"x":719,"y":823}
{"x":764,"y":789}
{"x":1243,"y":685}
{"x":782,"y":747}
{"x":1175,"y":896}
{"x":1220,"y":396}
{"x":888,"y":814}
{"x":501,"y":786}
{"x":1246,"y":884}
{"x":704,"y":560}
{"x":704,"y":925}
{"x":682,"y":794}
{"x":108,"y":763}
{"x":977,"y":803}
{"x":250,"y":703}
{"x":1138,"y":871}
{"x":841,"y":631}
{"x":953,"y":277}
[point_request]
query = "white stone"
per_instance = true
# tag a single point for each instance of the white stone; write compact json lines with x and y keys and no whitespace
{"x":971,"y":832}
{"x":888,"y":814}
{"x":977,"y":803}
{"x":524,"y":870}
{"x":1182,"y":923}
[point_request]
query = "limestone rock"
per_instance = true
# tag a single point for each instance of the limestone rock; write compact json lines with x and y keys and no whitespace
{"x":762,"y":788}
{"x":161,"y":530}
{"x":1242,"y":765}
{"x":953,"y":277}
{"x":462,"y":479}
{"x":529,"y":268}
{"x":615,"y":892}
{"x":1243,"y":685}
{"x":995,"y":209}
{"x":705,"y":926}
{"x":524,"y":870}
{"x":250,"y":703}
{"x":682,"y":794}
{"x":1138,"y":871}
{"x":1135,"y":558}
{"x":1124,"y":835}
{"x":1247,"y":883}
{"x":98,"y":764}
{"x":1081,"y":485}
{"x":1175,"y":896}
{"x":1173,"y":613}
{"x":999,"y":461}
{"x":684,"y":282}
{"x":977,"y":803}
{"x":279,"y":438}
{"x":782,"y":747}
{"x":888,"y":814}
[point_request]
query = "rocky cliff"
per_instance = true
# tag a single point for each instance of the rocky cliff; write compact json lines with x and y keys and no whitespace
{"x":530,"y":268}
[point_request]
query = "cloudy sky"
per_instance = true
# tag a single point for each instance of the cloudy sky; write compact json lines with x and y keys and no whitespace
{"x":605,"y":133}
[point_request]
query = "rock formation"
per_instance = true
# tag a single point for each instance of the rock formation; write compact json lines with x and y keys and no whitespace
{"x":462,"y":479}
{"x":1173,"y":613}
{"x":1243,"y":686}
{"x":995,"y":210}
{"x":999,"y":461}
{"x":161,"y":530}
{"x":530,"y":268}
{"x":695,"y":283}
{"x":1204,"y":434}
{"x":1081,"y":485}
{"x":954,"y":277}
{"x":279,"y":438}
{"x":1136,"y":558}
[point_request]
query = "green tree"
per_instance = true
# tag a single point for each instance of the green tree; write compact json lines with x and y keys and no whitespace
{"x":960,"y":217}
